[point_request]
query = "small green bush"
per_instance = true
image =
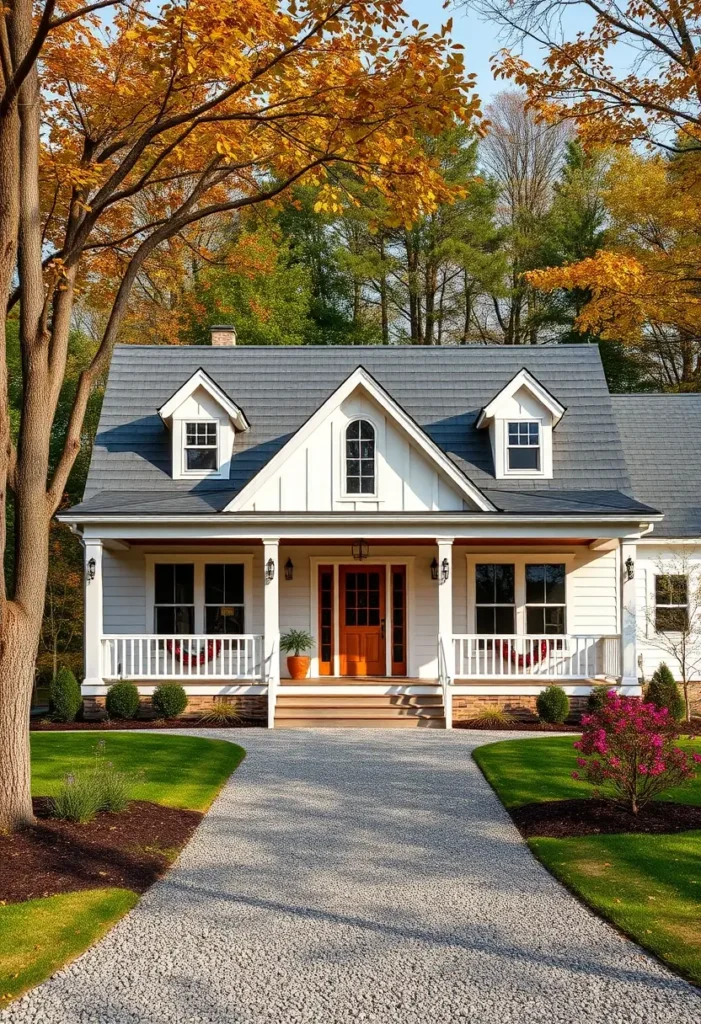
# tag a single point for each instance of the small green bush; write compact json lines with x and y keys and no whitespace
{"x":64,"y":696}
{"x":597,"y":698}
{"x":122,"y":701}
{"x":553,"y":705}
{"x":663,"y":692}
{"x":169,"y":700}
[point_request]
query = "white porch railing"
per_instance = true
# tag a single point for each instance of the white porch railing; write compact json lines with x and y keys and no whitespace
{"x":187,"y":658}
{"x":541,"y":657}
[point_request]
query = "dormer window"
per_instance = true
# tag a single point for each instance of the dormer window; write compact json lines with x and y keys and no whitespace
{"x":521,"y":419}
{"x":201,"y":446}
{"x":203,"y":423}
{"x":523,"y":446}
{"x":360,"y":458}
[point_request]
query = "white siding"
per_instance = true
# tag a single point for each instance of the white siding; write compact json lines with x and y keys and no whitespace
{"x":125,"y":586}
{"x":650,"y":561}
{"x":124,"y":591}
{"x":313,"y":477}
{"x":593,"y":593}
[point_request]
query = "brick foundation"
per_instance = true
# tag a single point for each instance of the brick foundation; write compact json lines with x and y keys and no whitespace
{"x":469,"y":706}
{"x":252,"y":707}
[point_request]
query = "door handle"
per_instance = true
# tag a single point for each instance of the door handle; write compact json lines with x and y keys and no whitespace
{"x":382,"y":628}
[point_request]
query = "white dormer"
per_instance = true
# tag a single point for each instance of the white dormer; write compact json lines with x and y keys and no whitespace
{"x":203,"y":422}
{"x":521,"y":419}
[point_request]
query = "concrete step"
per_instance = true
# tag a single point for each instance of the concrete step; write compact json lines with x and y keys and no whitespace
{"x":359,"y":723}
{"x":352,"y":711}
{"x":362,"y":701}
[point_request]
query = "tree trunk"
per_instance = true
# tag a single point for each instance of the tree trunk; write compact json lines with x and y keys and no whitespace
{"x":19,"y":642}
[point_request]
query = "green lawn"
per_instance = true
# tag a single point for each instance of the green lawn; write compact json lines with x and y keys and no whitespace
{"x":178,"y":771}
{"x":530,"y":771}
{"x":38,"y":936}
{"x":649,"y":886}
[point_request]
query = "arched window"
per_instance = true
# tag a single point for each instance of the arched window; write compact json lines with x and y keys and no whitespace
{"x":360,"y":458}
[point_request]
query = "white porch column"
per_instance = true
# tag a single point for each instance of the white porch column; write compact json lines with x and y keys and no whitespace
{"x":271,"y":620}
{"x":445,"y":615}
{"x":629,"y":624}
{"x":92,"y":637}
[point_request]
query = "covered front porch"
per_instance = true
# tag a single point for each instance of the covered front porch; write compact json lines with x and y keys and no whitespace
{"x":390,"y":617}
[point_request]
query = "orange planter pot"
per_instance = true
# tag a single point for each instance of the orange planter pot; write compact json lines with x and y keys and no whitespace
{"x":298,"y":666}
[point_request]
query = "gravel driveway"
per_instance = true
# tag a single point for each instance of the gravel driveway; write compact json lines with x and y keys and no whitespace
{"x":360,"y":876}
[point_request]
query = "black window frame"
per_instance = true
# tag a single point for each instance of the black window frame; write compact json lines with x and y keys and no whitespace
{"x":546,"y":604}
{"x":494,"y":605}
{"x":177,"y":568}
{"x":239,"y":616}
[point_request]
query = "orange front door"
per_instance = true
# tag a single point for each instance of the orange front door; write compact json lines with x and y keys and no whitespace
{"x":362,"y":626}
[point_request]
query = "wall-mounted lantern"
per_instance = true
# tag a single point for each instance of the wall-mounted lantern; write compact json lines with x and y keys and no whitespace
{"x":445,"y":570}
{"x":91,"y":570}
{"x":630,"y":569}
{"x":269,"y":571}
{"x":289,"y":569}
{"x":360,"y":550}
{"x":434,"y":570}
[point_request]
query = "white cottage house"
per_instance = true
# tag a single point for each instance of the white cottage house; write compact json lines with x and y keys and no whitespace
{"x":453,"y":526}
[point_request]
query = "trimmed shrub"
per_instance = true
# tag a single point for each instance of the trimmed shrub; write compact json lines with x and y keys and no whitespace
{"x":553,"y":705}
{"x":597,"y":698}
{"x":64,"y":696}
{"x":122,"y":701}
{"x":169,"y":700}
{"x":663,"y":692}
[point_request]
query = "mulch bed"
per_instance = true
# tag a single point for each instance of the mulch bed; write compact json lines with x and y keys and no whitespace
{"x":140,"y":723}
{"x":562,"y":819}
{"x":130,"y":850}
{"x":518,"y":726}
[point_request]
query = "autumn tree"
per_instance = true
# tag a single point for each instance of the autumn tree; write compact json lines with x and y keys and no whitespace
{"x":642,"y":286}
{"x":119,"y":135}
{"x":630,"y":73}
{"x":618,"y":72}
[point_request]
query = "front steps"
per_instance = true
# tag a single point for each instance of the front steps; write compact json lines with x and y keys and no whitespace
{"x":361,"y":711}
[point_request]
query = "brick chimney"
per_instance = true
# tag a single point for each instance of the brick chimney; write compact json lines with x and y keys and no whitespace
{"x":223,"y":335}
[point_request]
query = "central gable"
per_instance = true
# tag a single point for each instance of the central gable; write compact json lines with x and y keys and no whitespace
{"x":310,"y":473}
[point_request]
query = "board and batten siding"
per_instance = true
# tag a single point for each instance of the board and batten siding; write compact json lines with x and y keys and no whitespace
{"x":313,"y":476}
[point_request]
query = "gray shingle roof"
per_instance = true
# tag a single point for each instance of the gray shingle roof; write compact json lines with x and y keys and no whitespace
{"x":278,"y":388}
{"x":660,"y":438}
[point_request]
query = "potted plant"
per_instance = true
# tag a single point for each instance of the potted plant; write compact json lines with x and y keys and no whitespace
{"x":293,"y":642}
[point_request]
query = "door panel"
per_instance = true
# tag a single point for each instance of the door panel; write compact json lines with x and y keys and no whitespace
{"x":362,"y":626}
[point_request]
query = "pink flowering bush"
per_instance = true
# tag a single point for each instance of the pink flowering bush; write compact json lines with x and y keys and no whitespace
{"x":630,"y":746}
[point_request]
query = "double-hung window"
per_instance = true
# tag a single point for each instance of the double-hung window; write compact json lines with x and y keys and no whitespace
{"x":671,"y":603}
{"x":174,"y":598}
{"x":523,"y":446}
{"x":201,"y":446}
{"x":495,"y":602}
{"x":223,"y":598}
{"x":545,"y":599}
